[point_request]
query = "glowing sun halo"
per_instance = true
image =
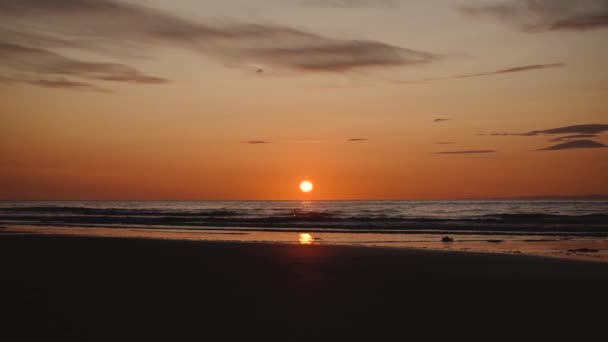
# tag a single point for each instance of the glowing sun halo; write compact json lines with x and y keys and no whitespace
{"x":306,"y":186}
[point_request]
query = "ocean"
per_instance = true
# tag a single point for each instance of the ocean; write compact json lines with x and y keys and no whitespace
{"x":496,"y":215}
{"x":571,"y":229}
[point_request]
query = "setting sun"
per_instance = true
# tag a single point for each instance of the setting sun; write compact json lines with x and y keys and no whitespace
{"x":306,"y":186}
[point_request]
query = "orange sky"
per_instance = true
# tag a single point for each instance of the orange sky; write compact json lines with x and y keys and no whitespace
{"x":132,"y":113}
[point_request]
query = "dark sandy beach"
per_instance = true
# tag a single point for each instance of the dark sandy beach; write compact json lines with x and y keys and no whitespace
{"x":105,"y":289}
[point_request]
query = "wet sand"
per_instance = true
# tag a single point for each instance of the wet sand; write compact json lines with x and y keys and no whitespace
{"x":591,"y":247}
{"x":99,"y":289}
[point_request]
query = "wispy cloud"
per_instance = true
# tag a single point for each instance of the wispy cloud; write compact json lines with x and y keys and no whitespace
{"x":574,"y":132}
{"x":466,"y":152}
{"x":62,"y":83}
{"x":256,"y":142}
{"x":546,"y":15}
{"x":574,"y":136}
{"x":491,"y":73}
{"x":575,"y":144}
{"x":575,"y":129}
{"x":58,"y":83}
{"x":357,"y":139}
{"x":33,"y":61}
{"x":335,"y":86}
{"x":82,"y":24}
{"x":580,"y":129}
{"x":441,"y":120}
{"x":351,"y":3}
{"x":311,"y":141}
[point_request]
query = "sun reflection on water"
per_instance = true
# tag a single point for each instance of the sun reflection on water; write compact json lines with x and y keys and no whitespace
{"x":305,"y":238}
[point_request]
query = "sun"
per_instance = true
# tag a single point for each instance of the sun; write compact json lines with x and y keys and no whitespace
{"x":306,"y":186}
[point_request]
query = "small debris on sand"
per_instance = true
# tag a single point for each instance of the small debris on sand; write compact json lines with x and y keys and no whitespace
{"x":583,"y":250}
{"x":447,"y":239}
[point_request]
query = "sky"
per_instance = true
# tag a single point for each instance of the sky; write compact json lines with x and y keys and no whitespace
{"x":368,"y":99}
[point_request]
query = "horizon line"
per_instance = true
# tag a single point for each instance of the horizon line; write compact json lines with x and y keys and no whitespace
{"x":539,"y":197}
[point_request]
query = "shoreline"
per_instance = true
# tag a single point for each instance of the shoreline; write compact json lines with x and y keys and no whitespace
{"x":421,"y":250}
{"x":587,"y":248}
{"x":314,"y":229}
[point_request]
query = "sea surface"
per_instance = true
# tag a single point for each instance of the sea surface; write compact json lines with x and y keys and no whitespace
{"x":494,"y":215}
{"x":571,"y":229}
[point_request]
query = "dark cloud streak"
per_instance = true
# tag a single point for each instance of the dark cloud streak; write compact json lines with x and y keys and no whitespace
{"x":574,"y":132}
{"x":574,"y":144}
{"x":588,"y":129}
{"x":577,"y":129}
{"x":62,"y":83}
{"x":546,"y":15}
{"x":466,"y":152}
{"x":57,"y":83}
{"x":257,"y":142}
{"x":574,"y":136}
{"x":351,"y":3}
{"x":497,"y":72}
